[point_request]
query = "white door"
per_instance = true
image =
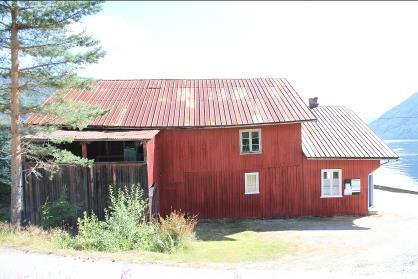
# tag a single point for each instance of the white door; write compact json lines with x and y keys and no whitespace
{"x":371,"y":189}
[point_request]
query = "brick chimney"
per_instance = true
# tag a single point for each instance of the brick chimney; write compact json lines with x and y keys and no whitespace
{"x":313,"y":102}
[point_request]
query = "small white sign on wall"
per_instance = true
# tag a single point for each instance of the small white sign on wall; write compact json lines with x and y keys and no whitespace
{"x":347,"y":190}
{"x":355,"y":185}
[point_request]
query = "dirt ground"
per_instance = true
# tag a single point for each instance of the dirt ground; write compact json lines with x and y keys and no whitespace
{"x":384,"y":245}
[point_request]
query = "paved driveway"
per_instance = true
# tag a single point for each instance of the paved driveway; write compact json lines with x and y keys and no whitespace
{"x":378,"y":246}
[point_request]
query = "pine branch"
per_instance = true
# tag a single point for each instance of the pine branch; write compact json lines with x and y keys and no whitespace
{"x":5,"y":6}
{"x":44,"y":65}
{"x":29,"y":109}
{"x":54,"y":24}
{"x":41,"y":46}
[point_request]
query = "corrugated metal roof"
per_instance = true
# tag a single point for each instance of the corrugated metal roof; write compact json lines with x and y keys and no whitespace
{"x":96,"y":135}
{"x":339,"y":133}
{"x":150,"y":103}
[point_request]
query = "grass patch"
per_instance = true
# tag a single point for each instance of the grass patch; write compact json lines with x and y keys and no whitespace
{"x":243,"y":247}
{"x":232,"y":241}
{"x":223,"y":241}
{"x":31,"y":238}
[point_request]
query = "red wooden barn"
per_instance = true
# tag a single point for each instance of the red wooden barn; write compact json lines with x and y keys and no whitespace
{"x":233,"y":148}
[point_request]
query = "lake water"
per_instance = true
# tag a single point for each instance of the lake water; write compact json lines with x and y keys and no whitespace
{"x":404,"y":172}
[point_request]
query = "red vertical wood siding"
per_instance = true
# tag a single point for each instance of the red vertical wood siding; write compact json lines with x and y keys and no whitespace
{"x":347,"y":205}
{"x":201,"y":172}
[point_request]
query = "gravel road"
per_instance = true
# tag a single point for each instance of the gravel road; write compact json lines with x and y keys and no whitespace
{"x":384,"y":245}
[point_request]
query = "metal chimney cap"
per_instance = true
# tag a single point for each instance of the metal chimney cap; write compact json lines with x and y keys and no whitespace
{"x":313,"y":102}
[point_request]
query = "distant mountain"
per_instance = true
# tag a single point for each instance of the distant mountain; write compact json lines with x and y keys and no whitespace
{"x":400,"y":122}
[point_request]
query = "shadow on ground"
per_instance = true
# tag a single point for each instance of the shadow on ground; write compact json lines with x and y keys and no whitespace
{"x":219,"y":230}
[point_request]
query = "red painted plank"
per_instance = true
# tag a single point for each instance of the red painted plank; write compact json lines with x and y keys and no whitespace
{"x":210,"y":176}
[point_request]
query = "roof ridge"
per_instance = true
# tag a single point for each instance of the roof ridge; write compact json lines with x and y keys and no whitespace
{"x":134,"y":79}
{"x":331,"y":106}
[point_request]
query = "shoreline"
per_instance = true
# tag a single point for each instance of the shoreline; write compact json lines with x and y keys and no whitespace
{"x":396,"y":189}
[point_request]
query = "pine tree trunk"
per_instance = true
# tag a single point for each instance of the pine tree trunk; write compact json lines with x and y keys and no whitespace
{"x":16,"y":161}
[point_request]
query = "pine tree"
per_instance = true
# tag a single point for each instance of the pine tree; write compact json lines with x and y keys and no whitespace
{"x":40,"y":52}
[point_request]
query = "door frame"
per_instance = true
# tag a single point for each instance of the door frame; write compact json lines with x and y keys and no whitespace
{"x":370,"y":191}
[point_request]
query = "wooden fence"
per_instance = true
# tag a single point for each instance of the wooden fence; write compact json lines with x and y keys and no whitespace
{"x":86,"y":186}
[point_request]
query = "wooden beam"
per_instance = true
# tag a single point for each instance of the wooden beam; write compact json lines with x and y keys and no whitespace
{"x":84,"y":149}
{"x":144,"y":148}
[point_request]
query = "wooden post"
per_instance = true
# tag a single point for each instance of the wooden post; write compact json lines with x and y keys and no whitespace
{"x":91,"y":195}
{"x":86,"y":177}
{"x":84,"y":149}
{"x":150,"y":190}
{"x":144,"y":148}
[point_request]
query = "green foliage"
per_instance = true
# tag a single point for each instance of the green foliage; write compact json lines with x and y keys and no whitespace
{"x":127,"y":203}
{"x":76,"y":115}
{"x":4,"y":172}
{"x":66,"y":157}
{"x":4,"y":156}
{"x":4,"y":202}
{"x":4,"y":215}
{"x":173,"y":232}
{"x":126,"y":216}
{"x":4,"y":194}
{"x":48,"y":152}
{"x":50,"y":52}
{"x":92,"y":235}
{"x":48,"y":156}
{"x":59,"y":213}
{"x":126,"y":227}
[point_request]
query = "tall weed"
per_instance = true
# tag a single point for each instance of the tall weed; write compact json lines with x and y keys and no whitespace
{"x":173,"y":232}
{"x":125,"y":226}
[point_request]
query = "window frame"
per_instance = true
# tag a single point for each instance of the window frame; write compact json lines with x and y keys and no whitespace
{"x":250,"y":139}
{"x":257,"y":174}
{"x":340,"y":186}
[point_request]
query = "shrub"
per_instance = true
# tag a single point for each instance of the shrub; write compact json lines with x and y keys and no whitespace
{"x":4,"y":199}
{"x":4,"y":193}
{"x":4,"y":215}
{"x":59,"y":213}
{"x":124,"y":226}
{"x":92,"y":235}
{"x":173,"y":232}
{"x":126,"y":219}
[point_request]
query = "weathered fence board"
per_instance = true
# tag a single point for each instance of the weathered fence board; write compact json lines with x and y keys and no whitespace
{"x":87,"y":186}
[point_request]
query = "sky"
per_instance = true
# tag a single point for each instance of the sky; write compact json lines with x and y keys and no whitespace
{"x":363,"y":55}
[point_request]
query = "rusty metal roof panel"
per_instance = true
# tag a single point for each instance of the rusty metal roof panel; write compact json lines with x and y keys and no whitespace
{"x":339,"y":133}
{"x":190,"y":103}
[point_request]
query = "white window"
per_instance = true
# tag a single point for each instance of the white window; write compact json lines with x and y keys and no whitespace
{"x":250,"y":141}
{"x":251,"y":183}
{"x":331,"y":185}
